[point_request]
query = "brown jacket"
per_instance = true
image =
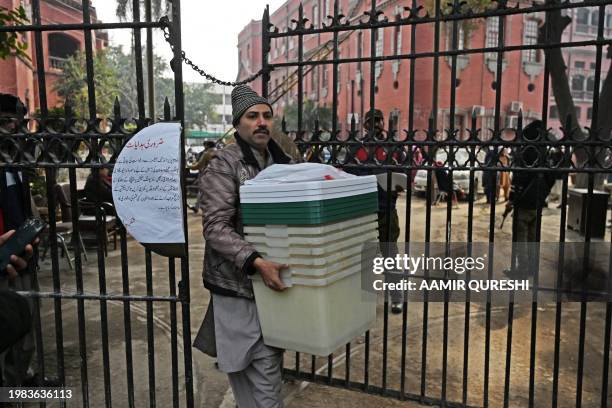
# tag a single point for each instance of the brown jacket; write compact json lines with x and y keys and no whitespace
{"x":228,"y":258}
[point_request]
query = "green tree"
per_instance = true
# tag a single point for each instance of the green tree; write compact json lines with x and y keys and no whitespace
{"x":199,"y":102}
{"x":124,"y":66}
{"x":199,"y":105}
{"x":10,"y":43}
{"x":72,"y":85}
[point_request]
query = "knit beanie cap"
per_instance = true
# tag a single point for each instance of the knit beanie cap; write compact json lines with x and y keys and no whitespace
{"x":243,"y":97}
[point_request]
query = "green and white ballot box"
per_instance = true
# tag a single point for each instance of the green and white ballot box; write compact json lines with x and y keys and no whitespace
{"x":316,"y":219}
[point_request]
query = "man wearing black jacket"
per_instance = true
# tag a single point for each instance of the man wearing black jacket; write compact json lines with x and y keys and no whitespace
{"x":528,"y":194}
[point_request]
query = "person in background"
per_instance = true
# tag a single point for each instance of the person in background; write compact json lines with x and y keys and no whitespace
{"x":528,"y":194}
{"x":13,"y":208}
{"x":17,"y":337}
{"x":490,"y":178}
{"x":504,"y":176}
{"x":200,"y":165}
{"x":103,"y":190}
{"x":388,"y":231}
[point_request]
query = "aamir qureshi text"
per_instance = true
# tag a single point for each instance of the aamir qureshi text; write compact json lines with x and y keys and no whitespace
{"x":475,"y":285}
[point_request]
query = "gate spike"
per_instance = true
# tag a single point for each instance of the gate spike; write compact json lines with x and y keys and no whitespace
{"x":166,"y":109}
{"x":284,"y":125}
{"x":568,"y":125}
{"x":519,"y":124}
{"x":67,"y":111}
{"x":20,"y":109}
{"x":353,"y":123}
{"x":430,"y":131}
{"x":117,"y":108}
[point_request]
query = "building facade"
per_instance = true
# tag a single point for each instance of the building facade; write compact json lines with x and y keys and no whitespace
{"x":19,"y":76}
{"x":522,"y":71}
{"x":222,"y":122}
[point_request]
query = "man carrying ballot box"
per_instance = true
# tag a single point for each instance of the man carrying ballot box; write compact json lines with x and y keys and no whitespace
{"x":231,"y":330}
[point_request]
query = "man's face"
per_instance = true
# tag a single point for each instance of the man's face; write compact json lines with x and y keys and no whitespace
{"x":254,"y":126}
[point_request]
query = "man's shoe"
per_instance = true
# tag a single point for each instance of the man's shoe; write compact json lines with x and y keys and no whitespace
{"x":397,"y":308}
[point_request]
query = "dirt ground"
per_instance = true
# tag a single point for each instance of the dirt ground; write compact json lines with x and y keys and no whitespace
{"x":211,"y":387}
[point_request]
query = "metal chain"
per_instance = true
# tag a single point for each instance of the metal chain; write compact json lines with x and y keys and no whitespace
{"x":168,"y":37}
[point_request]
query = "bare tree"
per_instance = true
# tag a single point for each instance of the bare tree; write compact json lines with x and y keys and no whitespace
{"x":551,"y":32}
{"x":124,"y":8}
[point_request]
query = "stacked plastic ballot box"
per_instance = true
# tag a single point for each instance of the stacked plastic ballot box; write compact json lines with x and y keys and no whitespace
{"x":318,"y":228}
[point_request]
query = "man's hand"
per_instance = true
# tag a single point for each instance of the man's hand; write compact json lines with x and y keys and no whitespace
{"x":509,"y":206}
{"x":17,"y":263}
{"x":270,"y":273}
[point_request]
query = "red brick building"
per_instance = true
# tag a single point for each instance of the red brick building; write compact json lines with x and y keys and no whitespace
{"x":19,"y":76}
{"x":522,"y":75}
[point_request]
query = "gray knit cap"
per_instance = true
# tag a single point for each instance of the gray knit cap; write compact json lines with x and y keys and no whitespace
{"x":243,"y":97}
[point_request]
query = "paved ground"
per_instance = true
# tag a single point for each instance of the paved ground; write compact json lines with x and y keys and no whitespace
{"x":212,"y":386}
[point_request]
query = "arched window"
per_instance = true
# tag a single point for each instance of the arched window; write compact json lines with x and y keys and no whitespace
{"x":582,"y":17}
{"x":590,"y":84}
{"x":530,"y":37}
{"x":61,"y":47}
{"x":595,"y":18}
{"x":582,"y":20}
{"x":578,"y":83}
{"x":315,"y":15}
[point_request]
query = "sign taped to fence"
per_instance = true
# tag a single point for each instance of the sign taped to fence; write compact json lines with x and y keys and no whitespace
{"x":147,"y":185}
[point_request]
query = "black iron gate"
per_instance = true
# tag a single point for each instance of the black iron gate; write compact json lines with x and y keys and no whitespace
{"x":86,"y":353}
{"x":54,"y":143}
{"x":450,"y":354}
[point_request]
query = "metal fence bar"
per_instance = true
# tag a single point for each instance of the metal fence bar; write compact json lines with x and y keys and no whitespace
{"x":91,"y":94}
{"x":37,"y":27}
{"x":184,"y":289}
{"x":347,"y":365}
{"x":606,"y":356}
{"x":150,"y":327}
{"x":558,"y":306}
{"x":150,"y":78}
{"x":469,"y":238}
{"x":450,"y":197}
{"x":173,"y":334}
{"x":127,"y":319}
{"x":138,"y":63}
{"x":330,"y":368}
{"x":42,"y":94}
{"x":408,"y":212}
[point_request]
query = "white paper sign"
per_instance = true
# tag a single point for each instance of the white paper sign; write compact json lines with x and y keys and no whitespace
{"x":147,"y":187}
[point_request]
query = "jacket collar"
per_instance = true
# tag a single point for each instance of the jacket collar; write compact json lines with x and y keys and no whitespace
{"x":278,"y":155}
